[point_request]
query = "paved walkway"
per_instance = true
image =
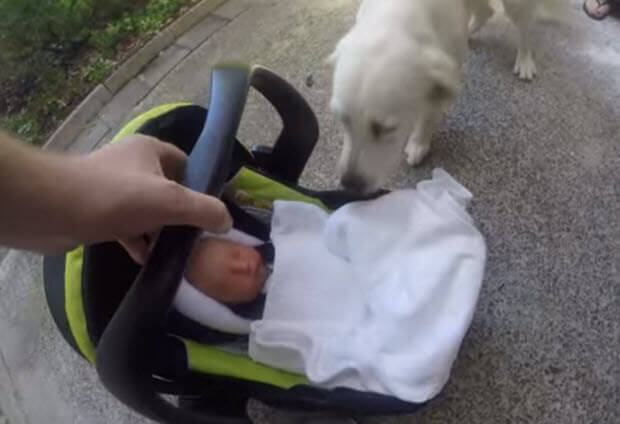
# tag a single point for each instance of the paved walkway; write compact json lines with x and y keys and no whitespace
{"x":542,"y":160}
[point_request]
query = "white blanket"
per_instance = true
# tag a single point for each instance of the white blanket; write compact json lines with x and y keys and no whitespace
{"x":376,"y":297}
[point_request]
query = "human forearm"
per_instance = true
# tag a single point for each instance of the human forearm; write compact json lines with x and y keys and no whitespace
{"x":37,"y":195}
{"x":121,"y":192}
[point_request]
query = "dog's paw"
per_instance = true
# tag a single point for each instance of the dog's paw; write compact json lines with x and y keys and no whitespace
{"x":416,"y":152}
{"x":525,"y":66}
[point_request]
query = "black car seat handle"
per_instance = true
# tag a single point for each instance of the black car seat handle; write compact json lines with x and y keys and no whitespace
{"x":125,"y":351}
{"x":300,"y":128}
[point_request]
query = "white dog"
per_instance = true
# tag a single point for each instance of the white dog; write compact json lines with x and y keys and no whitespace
{"x":398,"y":69}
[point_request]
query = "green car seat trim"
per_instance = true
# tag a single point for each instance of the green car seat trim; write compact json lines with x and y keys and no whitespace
{"x":74,"y":306}
{"x":261,"y":189}
{"x":132,"y":126}
{"x":257,"y":186}
{"x":211,"y":360}
{"x":251,"y":187}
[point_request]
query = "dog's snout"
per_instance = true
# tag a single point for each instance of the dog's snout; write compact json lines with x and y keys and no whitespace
{"x":354,"y":182}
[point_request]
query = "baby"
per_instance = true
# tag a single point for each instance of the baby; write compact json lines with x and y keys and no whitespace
{"x":228,"y":272}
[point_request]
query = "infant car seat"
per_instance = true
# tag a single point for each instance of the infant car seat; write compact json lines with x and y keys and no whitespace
{"x":118,"y":315}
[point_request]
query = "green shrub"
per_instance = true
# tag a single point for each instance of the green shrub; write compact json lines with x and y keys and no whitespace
{"x":22,"y":124}
{"x":97,"y":68}
{"x":112,"y":34}
{"x":35,"y":33}
{"x":52,"y":52}
{"x":144,"y":22}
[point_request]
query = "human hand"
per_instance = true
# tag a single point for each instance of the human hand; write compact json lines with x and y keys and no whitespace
{"x":130,"y":192}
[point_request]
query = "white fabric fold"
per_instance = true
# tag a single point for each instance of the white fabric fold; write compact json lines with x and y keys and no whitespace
{"x":209,"y":312}
{"x":376,"y":297}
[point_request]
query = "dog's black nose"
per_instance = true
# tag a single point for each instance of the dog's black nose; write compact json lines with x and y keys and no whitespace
{"x":354,"y":182}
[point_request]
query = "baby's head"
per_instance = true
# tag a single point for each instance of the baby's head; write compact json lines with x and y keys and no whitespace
{"x":228,"y":272}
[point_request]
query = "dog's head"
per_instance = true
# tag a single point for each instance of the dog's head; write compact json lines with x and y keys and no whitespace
{"x":380,"y":90}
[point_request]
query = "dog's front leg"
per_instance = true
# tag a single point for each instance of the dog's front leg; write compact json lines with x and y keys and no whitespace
{"x":420,"y":141}
{"x":522,"y":13}
{"x":480,"y":11}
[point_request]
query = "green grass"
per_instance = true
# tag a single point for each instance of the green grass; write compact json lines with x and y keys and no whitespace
{"x":97,"y":68}
{"x":60,"y":82}
{"x":143,"y":22}
{"x":23,"y":125}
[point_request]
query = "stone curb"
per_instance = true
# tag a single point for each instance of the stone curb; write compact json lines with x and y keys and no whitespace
{"x":193,"y":16}
{"x":79,"y":118}
{"x":88,"y":109}
{"x":138,"y":60}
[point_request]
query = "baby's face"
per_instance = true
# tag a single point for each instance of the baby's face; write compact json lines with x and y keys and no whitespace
{"x":244,"y":261}
{"x":225,"y":271}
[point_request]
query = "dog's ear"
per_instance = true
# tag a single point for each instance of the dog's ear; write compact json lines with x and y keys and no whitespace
{"x":445,"y":76}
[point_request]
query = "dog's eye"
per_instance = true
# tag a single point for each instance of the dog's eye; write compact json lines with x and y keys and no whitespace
{"x":379,"y":129}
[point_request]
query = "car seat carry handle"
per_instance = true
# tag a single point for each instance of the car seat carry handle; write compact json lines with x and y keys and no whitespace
{"x":209,"y":162}
{"x":300,"y":128}
{"x":130,"y":341}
